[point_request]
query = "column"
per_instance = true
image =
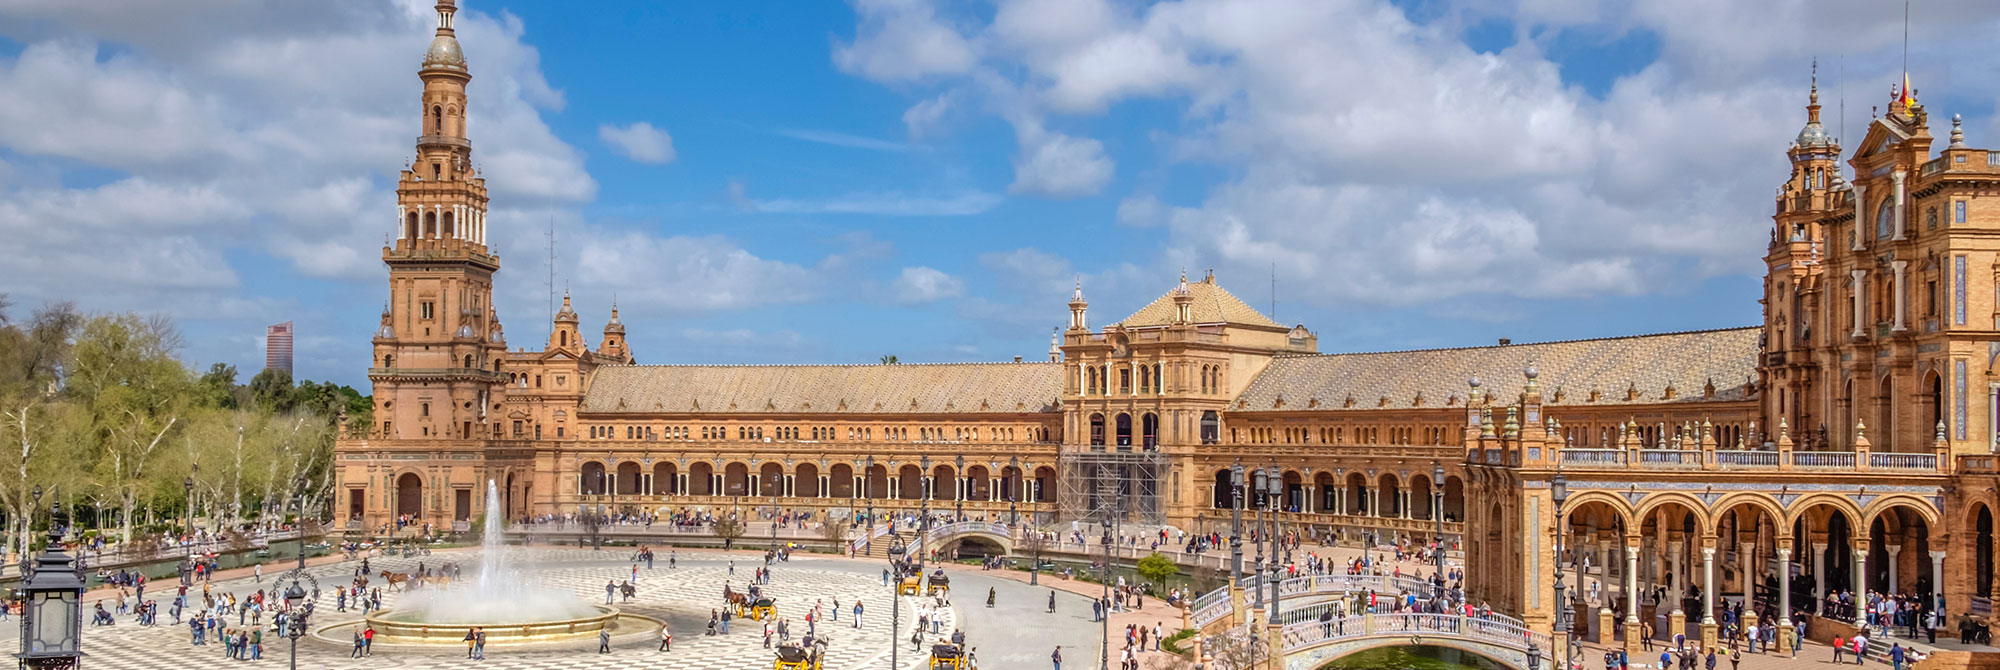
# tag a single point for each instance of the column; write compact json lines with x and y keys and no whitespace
{"x":1893,"y":550}
{"x":402,"y":214}
{"x":1860,"y":289}
{"x":1631,"y":583}
{"x":1784,"y":586}
{"x":1898,"y":266}
{"x":1819,"y":577}
{"x":1746,"y":563}
{"x":1708,"y":586}
{"x":1860,"y":580}
{"x":1897,"y":178}
{"x":1676,"y":553}
{"x":1937,"y":577}
{"x":1375,"y":500}
{"x":1860,"y":216}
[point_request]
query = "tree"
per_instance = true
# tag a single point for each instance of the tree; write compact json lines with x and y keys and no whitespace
{"x":218,"y":386}
{"x":122,"y":369}
{"x":728,"y":528}
{"x":1158,"y":569}
{"x":890,"y":360}
{"x":272,"y":390}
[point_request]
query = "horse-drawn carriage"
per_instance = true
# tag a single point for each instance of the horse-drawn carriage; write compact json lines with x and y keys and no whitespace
{"x":946,"y":656}
{"x":806,"y":656}
{"x":939,"y":584}
{"x":761,"y":609}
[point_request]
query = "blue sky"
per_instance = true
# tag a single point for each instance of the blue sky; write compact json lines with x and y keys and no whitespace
{"x":831,"y":182}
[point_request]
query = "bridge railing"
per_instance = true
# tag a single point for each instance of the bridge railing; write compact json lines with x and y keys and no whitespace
{"x":858,"y":545}
{"x":1214,"y":605}
{"x":1503,"y":631}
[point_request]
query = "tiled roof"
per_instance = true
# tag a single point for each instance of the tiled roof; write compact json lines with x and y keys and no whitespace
{"x":1212,"y":304}
{"x":960,"y":388}
{"x":1646,"y":364}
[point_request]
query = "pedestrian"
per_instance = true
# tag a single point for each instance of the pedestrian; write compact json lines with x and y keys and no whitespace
{"x":1056,"y":657}
{"x":1646,"y":635}
{"x":610,"y":588}
{"x":666,"y":639}
{"x":1839,"y":645}
{"x":1052,"y":601}
{"x":368,"y":641}
{"x":470,"y":635}
{"x":603,"y":641}
{"x":357,"y":641}
{"x":857,"y":614}
{"x":1896,"y":656}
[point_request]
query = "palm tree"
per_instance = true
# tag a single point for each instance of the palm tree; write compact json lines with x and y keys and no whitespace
{"x":890,"y":360}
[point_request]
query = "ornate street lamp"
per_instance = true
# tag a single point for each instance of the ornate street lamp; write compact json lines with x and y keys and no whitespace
{"x":896,"y":551}
{"x":1236,"y":523}
{"x":866,"y":473}
{"x":926,"y":483}
{"x":52,"y":623}
{"x":187,"y":526}
{"x":297,"y":606}
{"x":1437,"y":513}
{"x":1014,"y":463}
{"x":1274,"y":486}
{"x":777,"y":487}
{"x":958,"y":493}
{"x":1104,"y":620}
{"x":1559,"y":492}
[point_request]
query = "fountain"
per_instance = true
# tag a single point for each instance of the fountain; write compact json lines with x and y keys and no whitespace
{"x":513,"y":610}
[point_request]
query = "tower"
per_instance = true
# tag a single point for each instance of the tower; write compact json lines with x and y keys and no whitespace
{"x":437,"y":353}
{"x":614,"y":339}
{"x":1794,"y":279}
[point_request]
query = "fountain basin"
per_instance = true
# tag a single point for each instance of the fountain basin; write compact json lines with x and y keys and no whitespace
{"x":395,"y":628}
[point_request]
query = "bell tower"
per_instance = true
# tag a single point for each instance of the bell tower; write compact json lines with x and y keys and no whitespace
{"x":436,"y":355}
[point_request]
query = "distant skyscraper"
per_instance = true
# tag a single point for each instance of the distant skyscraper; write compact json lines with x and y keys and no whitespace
{"x":278,"y":347}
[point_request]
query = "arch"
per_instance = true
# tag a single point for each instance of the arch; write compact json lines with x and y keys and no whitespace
{"x":447,"y":230}
{"x":1294,"y":486}
{"x":1097,"y":430}
{"x":1357,"y":494}
{"x":910,"y":482}
{"x":1693,"y":507}
{"x":876,"y":481}
{"x":1762,"y":502}
{"x":1010,"y":484}
{"x":1324,"y":654}
{"x":1045,"y":484}
{"x":1621,"y":508}
{"x":1899,"y":542}
{"x":840,"y":483}
{"x":1887,"y":503}
{"x":628,"y":478}
{"x":1389,"y":495}
{"x":805,"y":480}
{"x":944,"y":482}
{"x":1422,"y":505}
{"x":1831,"y":501}
{"x":1211,"y":427}
{"x":701,"y":479}
{"x":1221,"y":496}
{"x":736,"y":479}
{"x":410,"y":226}
{"x":1124,"y":429}
{"x":1454,"y":498}
{"x":1933,"y":399}
{"x":437,"y":119}
{"x":770,"y":479}
{"x":978,"y":483}
{"x":1885,"y":414}
{"x":1981,"y":529}
{"x":592,"y":483}
{"x":1324,"y":483}
{"x":430,"y":224}
{"x":666,"y":479}
{"x":410,"y":495}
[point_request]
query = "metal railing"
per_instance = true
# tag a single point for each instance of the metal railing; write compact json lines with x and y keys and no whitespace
{"x":1504,"y":631}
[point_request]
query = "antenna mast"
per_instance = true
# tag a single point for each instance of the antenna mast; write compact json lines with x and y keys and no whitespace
{"x":1274,"y":291}
{"x":552,"y":277}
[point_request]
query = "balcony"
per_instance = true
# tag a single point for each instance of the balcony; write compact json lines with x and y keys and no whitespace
{"x":1669,"y":458}
{"x":1823,"y":459}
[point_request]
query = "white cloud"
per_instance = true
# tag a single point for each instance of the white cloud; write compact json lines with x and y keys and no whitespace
{"x":706,"y":273}
{"x":640,"y":142}
{"x":903,"y":40}
{"x":883,"y":204}
{"x":838,"y":139}
{"x":1056,"y":165}
{"x":918,"y":285}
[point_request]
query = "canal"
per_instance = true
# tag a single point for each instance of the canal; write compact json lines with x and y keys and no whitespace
{"x":1413,"y":657}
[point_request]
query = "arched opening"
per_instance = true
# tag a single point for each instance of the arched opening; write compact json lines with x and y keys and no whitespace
{"x":944,"y":483}
{"x":978,"y":483}
{"x":628,"y":478}
{"x":1211,"y":428}
{"x":1592,"y":532}
{"x":1422,"y":497}
{"x":1675,"y":531}
{"x":666,"y":479}
{"x":1884,"y":426}
{"x":592,"y":482}
{"x":1010,"y":484}
{"x":1045,"y":484}
{"x":410,"y":495}
{"x":1454,"y":498}
{"x":1295,"y":492}
{"x":1388,"y":496}
{"x":877,"y":485}
{"x":468,"y":361}
{"x":1982,"y":551}
{"x":1747,"y":568}
{"x":736,"y":479}
{"x":1413,"y":656}
{"x":1097,"y":430}
{"x":448,"y":230}
{"x":805,"y":481}
{"x":1124,"y":429}
{"x":437,"y":120}
{"x":1933,"y":400}
{"x":1899,"y":544}
{"x":1357,"y":493}
{"x":770,"y":480}
{"x":1329,"y":492}
{"x":909,"y":482}
{"x":840,"y":484}
{"x":410,"y":226}
{"x":430,"y":224}
{"x":1823,"y":542}
{"x":1149,"y":430}
{"x":1224,"y":497}
{"x":701,"y":479}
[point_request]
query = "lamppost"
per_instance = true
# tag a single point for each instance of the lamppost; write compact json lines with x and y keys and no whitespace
{"x":867,"y":492}
{"x":777,"y":487}
{"x":1437,"y":512}
{"x":896,"y":550}
{"x":924,"y":508}
{"x":1104,"y":618}
{"x":52,"y":622}
{"x":1559,"y":492}
{"x":1274,"y":485}
{"x":1014,"y":464}
{"x":1236,"y":523}
{"x":297,"y":606}
{"x":187,"y":527}
{"x":958,"y":490}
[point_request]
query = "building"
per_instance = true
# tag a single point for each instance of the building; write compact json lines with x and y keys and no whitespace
{"x":278,"y":347}
{"x":1848,"y":439}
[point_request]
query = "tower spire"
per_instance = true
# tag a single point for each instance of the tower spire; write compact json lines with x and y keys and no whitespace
{"x":1812,"y":100}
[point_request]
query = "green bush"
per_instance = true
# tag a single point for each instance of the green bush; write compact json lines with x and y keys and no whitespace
{"x":1172,"y":643}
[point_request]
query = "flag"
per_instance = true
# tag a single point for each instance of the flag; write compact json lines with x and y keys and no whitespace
{"x":1909,"y":97}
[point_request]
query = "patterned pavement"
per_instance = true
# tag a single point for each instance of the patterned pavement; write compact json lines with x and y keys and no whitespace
{"x":682,"y":597}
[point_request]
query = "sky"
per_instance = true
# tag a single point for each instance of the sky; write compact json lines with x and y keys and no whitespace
{"x":829,"y":182}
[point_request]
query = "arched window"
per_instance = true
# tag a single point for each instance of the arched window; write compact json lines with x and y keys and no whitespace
{"x":1097,"y":430}
{"x":430,"y":224}
{"x":448,"y":231}
{"x":1211,"y":428}
{"x":410,"y":227}
{"x":1930,"y":219}
{"x":1091,"y":386}
{"x":1124,"y":429}
{"x":437,"y":120}
{"x":468,"y":360}
{"x":562,"y":338}
{"x":1885,"y":219}
{"x":1149,"y":430}
{"x":388,"y":360}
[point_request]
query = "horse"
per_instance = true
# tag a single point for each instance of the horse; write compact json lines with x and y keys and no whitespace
{"x":396,"y":580}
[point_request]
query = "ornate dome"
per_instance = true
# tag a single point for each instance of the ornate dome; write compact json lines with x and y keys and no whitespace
{"x":1812,"y":136}
{"x":444,"y":52}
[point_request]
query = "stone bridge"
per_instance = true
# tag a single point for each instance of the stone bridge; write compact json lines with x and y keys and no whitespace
{"x":1326,"y":617}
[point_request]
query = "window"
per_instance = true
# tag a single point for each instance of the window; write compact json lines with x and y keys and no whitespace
{"x":423,"y":409}
{"x":1958,"y":211}
{"x":1930,"y":218}
{"x":428,"y":309}
{"x":1885,"y":219}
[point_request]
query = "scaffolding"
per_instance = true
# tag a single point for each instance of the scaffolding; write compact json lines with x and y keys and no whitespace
{"x":1092,"y":482}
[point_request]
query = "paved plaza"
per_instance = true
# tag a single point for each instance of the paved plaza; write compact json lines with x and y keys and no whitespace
{"x":683,"y":597}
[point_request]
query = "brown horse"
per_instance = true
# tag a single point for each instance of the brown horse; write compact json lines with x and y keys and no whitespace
{"x":396,"y":580}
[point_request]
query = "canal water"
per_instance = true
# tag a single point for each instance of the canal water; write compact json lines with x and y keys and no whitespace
{"x":1413,"y":658}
